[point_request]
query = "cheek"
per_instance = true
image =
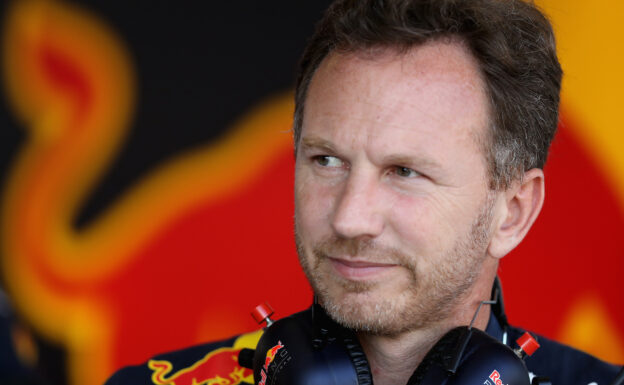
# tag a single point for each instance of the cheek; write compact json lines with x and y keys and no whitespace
{"x":410,"y":220}
{"x":427,"y":225}
{"x":314,"y":204}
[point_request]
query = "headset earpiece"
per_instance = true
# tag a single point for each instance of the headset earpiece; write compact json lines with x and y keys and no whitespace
{"x":302,"y":349}
{"x":466,"y":356}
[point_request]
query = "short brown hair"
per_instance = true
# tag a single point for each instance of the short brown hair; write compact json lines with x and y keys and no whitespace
{"x":512,"y":41}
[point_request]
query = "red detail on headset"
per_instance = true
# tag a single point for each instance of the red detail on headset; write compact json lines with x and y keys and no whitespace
{"x":527,"y":343}
{"x":262,"y":312}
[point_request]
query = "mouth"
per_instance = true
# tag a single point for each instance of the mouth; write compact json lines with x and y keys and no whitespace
{"x":359,"y":270}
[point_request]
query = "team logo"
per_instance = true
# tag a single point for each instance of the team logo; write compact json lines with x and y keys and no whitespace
{"x":270,"y":357}
{"x":495,"y":377}
{"x":219,"y":367}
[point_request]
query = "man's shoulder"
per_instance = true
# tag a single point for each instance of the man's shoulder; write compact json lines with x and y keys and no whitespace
{"x":213,"y":362}
{"x":566,"y":365}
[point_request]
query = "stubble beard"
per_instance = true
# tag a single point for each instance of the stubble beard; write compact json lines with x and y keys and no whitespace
{"x":427,"y":299}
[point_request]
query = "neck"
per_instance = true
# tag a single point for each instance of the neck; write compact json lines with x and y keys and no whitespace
{"x":393,"y":359}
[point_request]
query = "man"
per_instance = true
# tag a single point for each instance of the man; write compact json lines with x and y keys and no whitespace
{"x":421,"y":130}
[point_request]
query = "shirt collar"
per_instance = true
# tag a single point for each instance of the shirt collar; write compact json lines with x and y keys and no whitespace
{"x":494,"y":329}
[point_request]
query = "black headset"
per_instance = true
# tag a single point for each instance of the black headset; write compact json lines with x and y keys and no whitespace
{"x":309,"y":348}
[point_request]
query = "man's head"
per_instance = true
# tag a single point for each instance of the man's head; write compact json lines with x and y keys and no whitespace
{"x":411,"y":180}
{"x":511,"y":40}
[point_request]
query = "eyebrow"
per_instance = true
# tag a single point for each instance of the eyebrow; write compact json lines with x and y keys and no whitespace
{"x":316,"y":142}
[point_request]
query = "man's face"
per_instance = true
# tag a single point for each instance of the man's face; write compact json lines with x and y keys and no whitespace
{"x":392,"y":210}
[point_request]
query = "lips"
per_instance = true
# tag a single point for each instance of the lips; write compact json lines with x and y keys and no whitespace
{"x":359,"y":270}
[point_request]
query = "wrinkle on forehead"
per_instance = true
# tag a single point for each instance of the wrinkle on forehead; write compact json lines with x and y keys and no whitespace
{"x":443,"y":62}
{"x":441,"y":59}
{"x":440,"y":52}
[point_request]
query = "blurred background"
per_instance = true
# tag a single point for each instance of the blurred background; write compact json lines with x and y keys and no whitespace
{"x":146,"y":182}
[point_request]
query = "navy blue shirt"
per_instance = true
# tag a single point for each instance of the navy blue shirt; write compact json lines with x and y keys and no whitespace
{"x":216,"y":363}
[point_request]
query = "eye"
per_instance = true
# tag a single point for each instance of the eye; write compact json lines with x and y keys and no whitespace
{"x":406,"y":172}
{"x":328,"y":161}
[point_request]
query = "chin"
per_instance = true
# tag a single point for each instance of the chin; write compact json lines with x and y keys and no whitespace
{"x":366,"y":308}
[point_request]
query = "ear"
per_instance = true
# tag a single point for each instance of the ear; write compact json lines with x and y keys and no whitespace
{"x":521,"y":205}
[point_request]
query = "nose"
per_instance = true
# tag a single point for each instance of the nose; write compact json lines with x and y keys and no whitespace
{"x":358,"y":209}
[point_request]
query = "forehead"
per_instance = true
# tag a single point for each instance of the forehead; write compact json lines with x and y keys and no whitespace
{"x":433,"y":92}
